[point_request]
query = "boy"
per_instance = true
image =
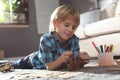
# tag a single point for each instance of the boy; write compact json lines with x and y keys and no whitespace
{"x":59,"y":49}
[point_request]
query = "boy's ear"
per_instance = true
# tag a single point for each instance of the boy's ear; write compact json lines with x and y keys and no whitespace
{"x":54,"y":22}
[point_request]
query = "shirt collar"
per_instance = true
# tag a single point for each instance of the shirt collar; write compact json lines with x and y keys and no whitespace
{"x":57,"y":39}
{"x":55,"y":36}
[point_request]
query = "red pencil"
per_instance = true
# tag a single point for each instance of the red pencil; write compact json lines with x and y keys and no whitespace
{"x":95,"y":46}
{"x":110,"y":49}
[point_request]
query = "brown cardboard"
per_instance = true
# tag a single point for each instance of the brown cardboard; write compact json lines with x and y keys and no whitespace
{"x":1,"y":54}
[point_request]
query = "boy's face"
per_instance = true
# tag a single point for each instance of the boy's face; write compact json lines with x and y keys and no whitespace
{"x":65,"y":29}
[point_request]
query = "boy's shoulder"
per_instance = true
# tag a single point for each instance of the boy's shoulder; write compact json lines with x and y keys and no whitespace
{"x":48,"y":40}
{"x":75,"y":37}
{"x":49,"y":35}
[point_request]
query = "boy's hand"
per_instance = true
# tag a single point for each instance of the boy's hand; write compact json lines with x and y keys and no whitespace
{"x":83,"y":56}
{"x":66,"y":56}
{"x":82,"y":59}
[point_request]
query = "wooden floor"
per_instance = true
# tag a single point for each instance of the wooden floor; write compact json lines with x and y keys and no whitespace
{"x":90,"y":72}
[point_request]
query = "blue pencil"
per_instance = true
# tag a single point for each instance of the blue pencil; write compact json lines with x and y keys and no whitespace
{"x":101,"y":48}
{"x":107,"y":49}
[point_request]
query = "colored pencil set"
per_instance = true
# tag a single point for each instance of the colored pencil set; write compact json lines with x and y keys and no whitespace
{"x":103,"y":48}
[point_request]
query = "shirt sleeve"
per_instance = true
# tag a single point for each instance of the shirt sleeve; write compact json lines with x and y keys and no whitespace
{"x":46,"y":48}
{"x":75,"y":46}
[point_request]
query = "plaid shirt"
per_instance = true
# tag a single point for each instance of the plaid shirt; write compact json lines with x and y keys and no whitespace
{"x":51,"y":49}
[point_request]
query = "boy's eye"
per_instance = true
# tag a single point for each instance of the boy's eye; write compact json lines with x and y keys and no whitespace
{"x":66,"y":25}
{"x":73,"y":27}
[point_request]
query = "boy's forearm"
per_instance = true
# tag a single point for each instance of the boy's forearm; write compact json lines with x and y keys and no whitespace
{"x":54,"y":65}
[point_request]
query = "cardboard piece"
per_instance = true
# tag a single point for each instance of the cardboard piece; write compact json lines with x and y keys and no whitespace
{"x":1,"y":54}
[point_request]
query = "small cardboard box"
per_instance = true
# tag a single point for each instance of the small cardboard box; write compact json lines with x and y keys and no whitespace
{"x":1,"y":54}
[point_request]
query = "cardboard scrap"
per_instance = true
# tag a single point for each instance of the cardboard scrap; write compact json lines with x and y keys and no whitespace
{"x":36,"y":74}
{"x":70,"y":74}
{"x":53,"y":74}
{"x":1,"y":54}
{"x":114,"y":69}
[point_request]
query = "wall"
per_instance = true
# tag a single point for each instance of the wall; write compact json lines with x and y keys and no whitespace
{"x":44,"y":9}
{"x":19,"y":42}
{"x":81,"y":5}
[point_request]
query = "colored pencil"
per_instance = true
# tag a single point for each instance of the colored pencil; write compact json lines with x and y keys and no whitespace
{"x":95,"y":46}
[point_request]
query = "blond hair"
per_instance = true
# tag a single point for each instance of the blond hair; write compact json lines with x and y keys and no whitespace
{"x":61,"y":13}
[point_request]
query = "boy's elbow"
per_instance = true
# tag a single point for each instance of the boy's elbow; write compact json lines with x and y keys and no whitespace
{"x":50,"y":67}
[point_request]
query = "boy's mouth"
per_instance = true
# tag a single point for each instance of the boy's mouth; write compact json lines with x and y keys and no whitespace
{"x":68,"y":34}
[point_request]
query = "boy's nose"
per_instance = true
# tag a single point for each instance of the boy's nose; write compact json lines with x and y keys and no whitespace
{"x":70,"y":29}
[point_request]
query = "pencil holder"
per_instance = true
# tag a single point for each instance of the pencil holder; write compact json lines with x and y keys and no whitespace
{"x":105,"y":59}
